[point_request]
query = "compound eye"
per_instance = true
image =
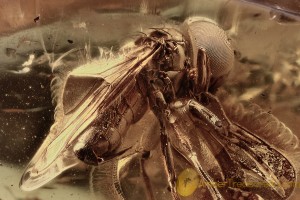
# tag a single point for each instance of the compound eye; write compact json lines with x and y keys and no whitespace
{"x":205,"y":33}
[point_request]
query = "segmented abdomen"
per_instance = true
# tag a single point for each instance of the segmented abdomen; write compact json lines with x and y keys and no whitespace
{"x":104,"y":135}
{"x":114,"y":123}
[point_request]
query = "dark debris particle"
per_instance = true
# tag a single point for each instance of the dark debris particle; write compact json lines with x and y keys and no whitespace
{"x":70,"y":41}
{"x":257,"y":15}
{"x":146,"y":154}
{"x":218,"y":124}
{"x":169,"y":189}
{"x":263,"y":95}
{"x":36,"y":19}
{"x":237,"y":54}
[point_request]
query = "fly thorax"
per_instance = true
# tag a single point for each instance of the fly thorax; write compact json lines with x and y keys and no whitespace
{"x":176,"y":78}
{"x":178,"y":56}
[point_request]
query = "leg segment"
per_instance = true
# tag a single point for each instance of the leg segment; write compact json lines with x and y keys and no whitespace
{"x":149,"y":190}
{"x":162,"y":112}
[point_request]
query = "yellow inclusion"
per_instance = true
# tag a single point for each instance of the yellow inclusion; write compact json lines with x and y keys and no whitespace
{"x":187,"y":182}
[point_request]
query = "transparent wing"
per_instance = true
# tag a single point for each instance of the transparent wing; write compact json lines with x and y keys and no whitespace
{"x":227,"y":153}
{"x":108,"y":79}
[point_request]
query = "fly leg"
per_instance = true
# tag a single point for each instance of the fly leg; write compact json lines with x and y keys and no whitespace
{"x":169,"y":162}
{"x":160,"y":108}
{"x":167,"y":89}
{"x":149,"y":190}
{"x":142,"y":156}
{"x":189,"y":146}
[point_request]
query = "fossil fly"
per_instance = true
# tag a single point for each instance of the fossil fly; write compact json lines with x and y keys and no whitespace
{"x":174,"y":72}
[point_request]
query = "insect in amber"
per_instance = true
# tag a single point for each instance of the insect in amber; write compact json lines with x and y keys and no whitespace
{"x":173,"y":73}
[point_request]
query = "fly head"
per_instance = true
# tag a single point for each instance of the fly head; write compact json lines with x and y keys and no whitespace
{"x":205,"y":35}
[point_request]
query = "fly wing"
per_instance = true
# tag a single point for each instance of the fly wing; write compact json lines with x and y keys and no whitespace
{"x":265,"y":168}
{"x":225,"y":152}
{"x":260,"y":121}
{"x":109,"y":82}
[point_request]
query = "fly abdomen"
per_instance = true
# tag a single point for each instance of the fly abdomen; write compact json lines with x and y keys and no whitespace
{"x":107,"y":131}
{"x":129,"y":110}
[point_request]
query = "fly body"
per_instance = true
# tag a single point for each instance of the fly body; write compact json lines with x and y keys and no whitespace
{"x":173,"y":73}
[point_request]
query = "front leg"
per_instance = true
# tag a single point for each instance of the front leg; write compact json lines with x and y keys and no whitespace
{"x":169,"y":161}
{"x":162,"y":112}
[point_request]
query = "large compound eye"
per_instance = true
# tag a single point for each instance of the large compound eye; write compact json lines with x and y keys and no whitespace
{"x":204,"y":33}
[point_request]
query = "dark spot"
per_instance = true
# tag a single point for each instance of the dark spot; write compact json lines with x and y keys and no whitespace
{"x":87,"y":155}
{"x":169,"y":189}
{"x":70,"y":41}
{"x":204,"y":100}
{"x":218,"y":124}
{"x":195,"y":112}
{"x":246,"y":60}
{"x":158,"y":34}
{"x":146,"y":154}
{"x":26,"y":176}
{"x":257,"y":15}
{"x":237,"y":54}
{"x":186,"y":181}
{"x":36,"y":19}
